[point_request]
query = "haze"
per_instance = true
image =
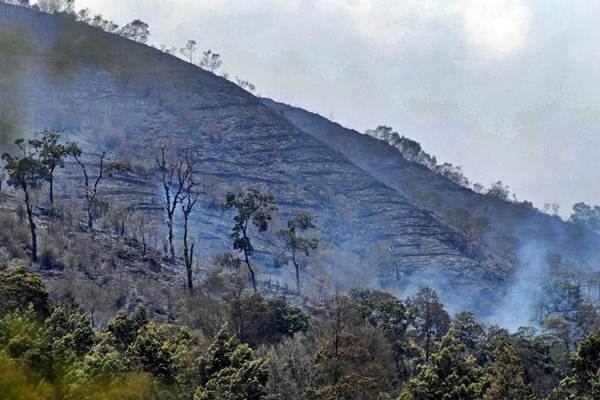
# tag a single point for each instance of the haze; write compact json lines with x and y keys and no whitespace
{"x":505,"y":88}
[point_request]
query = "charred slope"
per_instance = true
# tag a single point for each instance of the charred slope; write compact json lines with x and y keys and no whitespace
{"x":514,"y":226}
{"x":112,"y":93}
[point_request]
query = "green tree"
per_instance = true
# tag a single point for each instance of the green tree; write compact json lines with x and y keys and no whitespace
{"x":353,"y":359}
{"x":230,"y":371}
{"x":384,"y":311}
{"x":27,"y":173}
{"x":136,"y":30}
{"x":125,"y":327}
{"x":507,"y":381}
{"x":451,"y":374}
{"x":430,"y":320}
{"x":584,"y":383}
{"x":19,"y":290}
{"x":252,"y":206}
{"x":296,"y":244}
{"x":258,"y":321}
{"x":468,"y":330}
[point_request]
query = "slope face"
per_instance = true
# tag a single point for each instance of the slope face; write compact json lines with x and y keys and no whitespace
{"x":517,"y":229}
{"x":112,"y":93}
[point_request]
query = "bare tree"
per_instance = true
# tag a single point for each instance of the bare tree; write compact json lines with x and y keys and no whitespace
{"x":244,"y":84}
{"x":144,"y":227}
{"x":188,"y":201}
{"x":210,"y":61}
{"x":188,"y":50}
{"x":93,"y":204}
{"x":176,"y":176}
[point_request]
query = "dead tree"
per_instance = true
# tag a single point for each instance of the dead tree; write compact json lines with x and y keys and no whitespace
{"x":176,"y":176}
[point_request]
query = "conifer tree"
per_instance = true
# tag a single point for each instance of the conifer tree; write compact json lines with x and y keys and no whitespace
{"x":507,"y":381}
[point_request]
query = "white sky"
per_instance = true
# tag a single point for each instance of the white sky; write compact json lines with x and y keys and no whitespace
{"x":506,"y":88}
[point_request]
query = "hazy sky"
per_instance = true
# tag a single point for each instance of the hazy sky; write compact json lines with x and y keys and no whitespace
{"x":509,"y":89}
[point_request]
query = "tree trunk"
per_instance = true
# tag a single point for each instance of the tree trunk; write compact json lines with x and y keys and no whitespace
{"x":188,"y":254}
{"x":51,"y":181}
{"x":90,"y":217}
{"x":170,"y":226}
{"x":252,"y":275}
{"x":31,"y":226}
{"x":297,"y":273}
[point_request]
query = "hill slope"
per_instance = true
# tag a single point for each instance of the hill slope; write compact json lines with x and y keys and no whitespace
{"x":515,"y":227}
{"x":111,"y":93}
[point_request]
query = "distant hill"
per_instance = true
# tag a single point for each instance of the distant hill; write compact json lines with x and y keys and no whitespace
{"x":516,"y":228}
{"x":376,"y":230}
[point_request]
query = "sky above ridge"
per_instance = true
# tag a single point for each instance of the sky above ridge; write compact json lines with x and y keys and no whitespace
{"x":508,"y":89}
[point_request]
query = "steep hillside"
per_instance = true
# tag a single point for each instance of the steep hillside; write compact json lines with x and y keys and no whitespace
{"x":110,"y":93}
{"x":515,"y":227}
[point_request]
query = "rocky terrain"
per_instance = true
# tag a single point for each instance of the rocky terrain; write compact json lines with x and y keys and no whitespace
{"x":109,"y":93}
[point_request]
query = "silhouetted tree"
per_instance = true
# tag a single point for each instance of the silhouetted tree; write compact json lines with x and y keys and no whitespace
{"x":136,"y":30}
{"x":499,"y":190}
{"x":210,"y":61}
{"x":253,"y":206}
{"x":188,"y":50}
{"x":56,"y":6}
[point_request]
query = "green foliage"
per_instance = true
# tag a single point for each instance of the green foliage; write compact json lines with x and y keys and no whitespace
{"x":230,"y":371}
{"x":259,"y":321}
{"x":451,"y":374}
{"x":389,"y":314}
{"x":125,"y":327}
{"x":507,"y":380}
{"x":20,"y":290}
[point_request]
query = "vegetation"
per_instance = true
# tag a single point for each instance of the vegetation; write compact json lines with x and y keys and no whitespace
{"x":251,"y":206}
{"x":220,"y":340}
{"x":368,"y":345}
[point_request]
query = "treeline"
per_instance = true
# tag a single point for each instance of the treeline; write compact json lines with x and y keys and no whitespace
{"x":412,"y":151}
{"x":364,"y":345}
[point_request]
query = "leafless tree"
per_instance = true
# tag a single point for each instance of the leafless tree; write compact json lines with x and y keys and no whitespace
{"x":189,"y":50}
{"x":210,"y":61}
{"x":176,"y":176}
{"x":93,"y":204}
{"x":188,"y":202}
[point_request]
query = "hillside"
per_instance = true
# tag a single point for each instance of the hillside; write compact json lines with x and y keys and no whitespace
{"x":516,"y":227}
{"x":110,"y":93}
